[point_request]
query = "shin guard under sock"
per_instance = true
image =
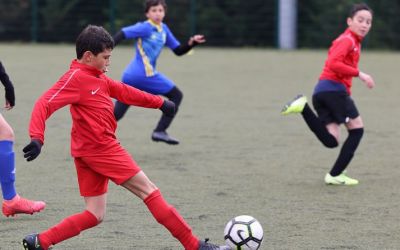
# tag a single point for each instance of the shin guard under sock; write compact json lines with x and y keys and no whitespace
{"x":347,"y":151}
{"x":7,"y":169}
{"x":318,"y":128}
{"x":67,"y":228}
{"x":167,"y":216}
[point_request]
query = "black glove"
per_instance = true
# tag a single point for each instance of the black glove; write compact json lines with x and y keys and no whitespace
{"x":32,"y":150}
{"x":10,"y":95}
{"x":168,"y":108}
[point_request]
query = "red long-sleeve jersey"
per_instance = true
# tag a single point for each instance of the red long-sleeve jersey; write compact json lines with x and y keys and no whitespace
{"x":88,"y":92}
{"x":342,"y":62}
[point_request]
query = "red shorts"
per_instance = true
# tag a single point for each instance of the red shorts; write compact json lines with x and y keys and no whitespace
{"x":95,"y":171}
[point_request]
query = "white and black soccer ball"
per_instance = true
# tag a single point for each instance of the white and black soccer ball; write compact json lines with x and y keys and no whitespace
{"x":243,"y":232}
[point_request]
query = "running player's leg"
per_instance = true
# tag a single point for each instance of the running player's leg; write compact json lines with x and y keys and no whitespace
{"x":315,"y":123}
{"x":161,"y":85}
{"x":356,"y":131}
{"x":156,"y":85}
{"x":355,"y":127}
{"x":319,"y":128}
{"x":175,"y":95}
{"x":12,"y":202}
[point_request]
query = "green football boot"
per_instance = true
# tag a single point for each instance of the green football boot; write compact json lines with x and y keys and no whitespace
{"x":295,"y":106}
{"x":341,"y":179}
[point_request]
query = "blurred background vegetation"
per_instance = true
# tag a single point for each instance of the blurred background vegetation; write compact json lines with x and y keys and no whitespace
{"x":228,"y":23}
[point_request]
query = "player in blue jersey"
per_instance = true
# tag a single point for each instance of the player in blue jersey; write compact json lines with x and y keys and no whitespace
{"x":12,"y":203}
{"x":151,"y":36}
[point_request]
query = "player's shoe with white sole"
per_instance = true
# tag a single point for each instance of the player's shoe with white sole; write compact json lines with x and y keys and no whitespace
{"x":205,"y":245}
{"x":22,"y":206}
{"x":31,"y":242}
{"x":295,"y":106}
{"x":341,"y":179}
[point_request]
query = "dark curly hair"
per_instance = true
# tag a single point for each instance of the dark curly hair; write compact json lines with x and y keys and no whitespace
{"x":94,"y":39}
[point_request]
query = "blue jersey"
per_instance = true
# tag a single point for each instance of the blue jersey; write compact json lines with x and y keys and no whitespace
{"x":151,"y":38}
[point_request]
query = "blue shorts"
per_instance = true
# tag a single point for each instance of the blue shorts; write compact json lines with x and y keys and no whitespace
{"x":156,"y":85}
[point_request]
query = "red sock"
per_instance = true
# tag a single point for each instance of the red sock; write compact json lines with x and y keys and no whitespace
{"x":167,"y":216}
{"x":67,"y":228}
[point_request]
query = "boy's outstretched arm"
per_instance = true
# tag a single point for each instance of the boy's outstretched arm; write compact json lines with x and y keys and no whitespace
{"x":118,"y":37}
{"x":193,"y":41}
{"x":133,"y":96}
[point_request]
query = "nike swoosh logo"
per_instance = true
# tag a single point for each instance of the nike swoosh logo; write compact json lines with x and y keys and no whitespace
{"x":95,"y":91}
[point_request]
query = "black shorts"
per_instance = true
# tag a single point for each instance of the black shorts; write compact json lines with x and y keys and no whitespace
{"x":334,"y":106}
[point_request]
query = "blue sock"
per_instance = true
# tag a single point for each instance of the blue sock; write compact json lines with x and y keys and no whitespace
{"x":7,"y":170}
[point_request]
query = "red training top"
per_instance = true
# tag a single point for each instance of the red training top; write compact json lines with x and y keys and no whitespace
{"x":342,"y":62}
{"x":89,"y":92}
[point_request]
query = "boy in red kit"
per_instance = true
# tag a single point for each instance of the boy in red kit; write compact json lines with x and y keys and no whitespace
{"x":97,"y":154}
{"x":332,"y":95}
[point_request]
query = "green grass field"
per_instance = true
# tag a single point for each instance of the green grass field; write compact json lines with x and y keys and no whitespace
{"x":237,"y":155}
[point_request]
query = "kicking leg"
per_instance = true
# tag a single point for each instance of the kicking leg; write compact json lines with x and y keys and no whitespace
{"x":165,"y":214}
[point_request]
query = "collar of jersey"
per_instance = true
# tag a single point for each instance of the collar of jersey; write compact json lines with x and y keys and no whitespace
{"x":92,"y":70}
{"x":357,"y":37}
{"x":158,"y":26}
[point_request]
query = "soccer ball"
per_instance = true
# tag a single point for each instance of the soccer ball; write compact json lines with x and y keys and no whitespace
{"x":243,"y":233}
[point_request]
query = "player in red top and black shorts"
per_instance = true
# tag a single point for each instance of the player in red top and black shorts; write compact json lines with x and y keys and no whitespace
{"x":332,"y":95}
{"x":98,"y":155}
